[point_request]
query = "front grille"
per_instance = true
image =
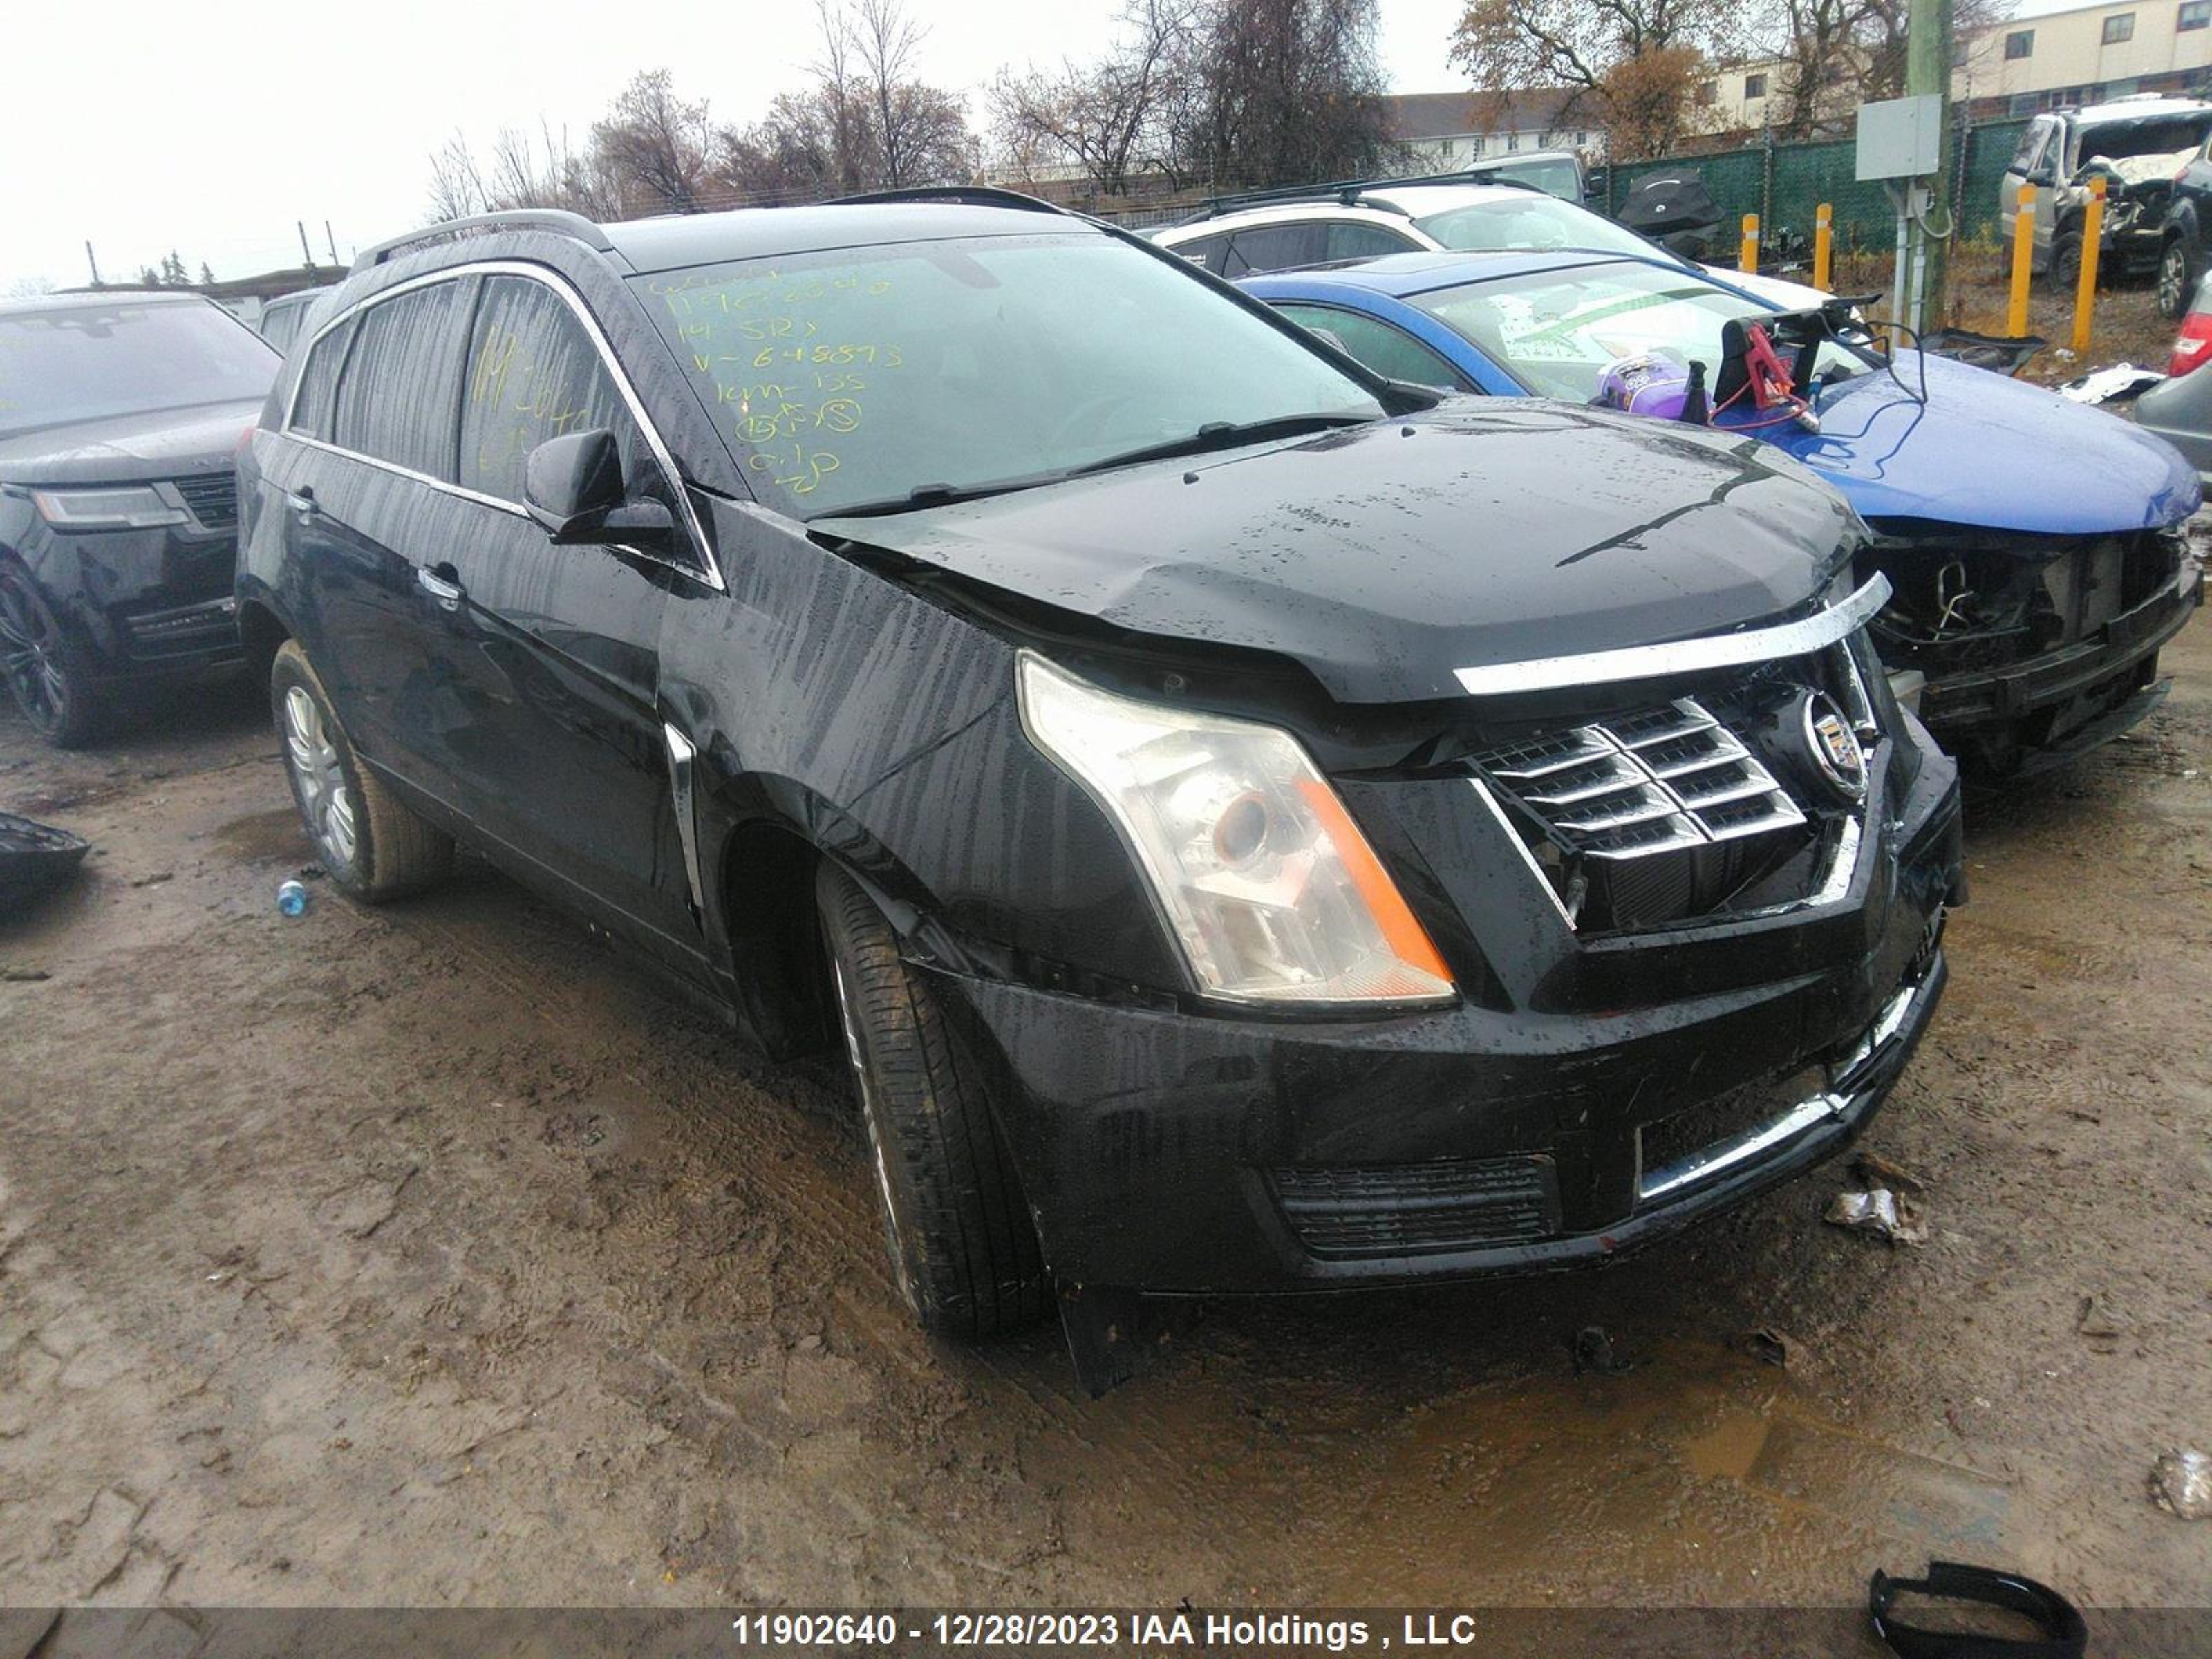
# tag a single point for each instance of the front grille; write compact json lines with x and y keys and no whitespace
{"x":1656,"y":780}
{"x":1644,"y":813}
{"x":1407,"y":1209}
{"x":212,"y":498}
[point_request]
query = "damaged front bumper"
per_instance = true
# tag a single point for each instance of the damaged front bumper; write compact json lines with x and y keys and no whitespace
{"x":2055,"y":667}
{"x":1167,"y":1149}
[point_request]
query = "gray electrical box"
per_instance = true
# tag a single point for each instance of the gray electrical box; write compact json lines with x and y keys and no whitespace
{"x":1901,"y":138}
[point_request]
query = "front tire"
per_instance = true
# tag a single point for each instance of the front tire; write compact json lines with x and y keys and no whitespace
{"x":2065,"y":271}
{"x":962,"y":1245}
{"x":374,"y":847}
{"x":44,"y":674}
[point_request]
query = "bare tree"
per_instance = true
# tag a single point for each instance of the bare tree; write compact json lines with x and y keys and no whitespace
{"x":1292,"y":91}
{"x":658,"y":145}
{"x":1112,"y":116}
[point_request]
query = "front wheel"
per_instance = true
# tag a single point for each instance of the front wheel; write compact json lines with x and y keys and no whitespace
{"x":43,"y":670}
{"x":2065,"y":271}
{"x":962,"y":1245}
{"x":2177,"y":278}
{"x":374,"y":847}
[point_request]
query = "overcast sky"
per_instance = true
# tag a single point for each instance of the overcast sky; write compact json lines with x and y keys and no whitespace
{"x":212,"y":129}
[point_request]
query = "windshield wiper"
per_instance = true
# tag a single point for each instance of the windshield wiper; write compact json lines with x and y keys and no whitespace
{"x":935,"y":495}
{"x":1225,"y":434}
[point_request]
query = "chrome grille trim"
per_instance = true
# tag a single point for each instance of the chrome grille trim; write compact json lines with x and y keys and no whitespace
{"x":1649,"y":782}
{"x":1644,"y":662}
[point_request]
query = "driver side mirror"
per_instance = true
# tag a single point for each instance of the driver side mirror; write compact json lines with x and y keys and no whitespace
{"x":573,"y":486}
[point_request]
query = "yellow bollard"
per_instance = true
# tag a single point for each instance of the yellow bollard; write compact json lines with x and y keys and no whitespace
{"x":2085,"y":295}
{"x":1747,"y":259}
{"x":1824,"y":244}
{"x":2023,"y":258}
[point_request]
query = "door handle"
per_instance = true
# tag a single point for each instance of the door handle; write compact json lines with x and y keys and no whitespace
{"x":443,"y":583}
{"x":302,"y":501}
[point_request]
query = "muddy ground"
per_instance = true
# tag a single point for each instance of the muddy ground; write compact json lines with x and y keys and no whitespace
{"x":431,"y":1256}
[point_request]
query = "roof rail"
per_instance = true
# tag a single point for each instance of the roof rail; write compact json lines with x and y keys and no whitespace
{"x":977,"y":195}
{"x":557,"y":219}
{"x":1346,"y":192}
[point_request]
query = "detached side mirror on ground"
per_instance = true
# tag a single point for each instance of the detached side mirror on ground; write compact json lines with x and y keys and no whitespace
{"x":573,"y":486}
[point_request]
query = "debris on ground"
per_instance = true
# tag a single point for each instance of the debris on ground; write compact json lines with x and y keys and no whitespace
{"x":1769,"y":1346}
{"x":2111,"y":386}
{"x":291,"y":898}
{"x":1592,"y":1350}
{"x":1889,"y":1202}
{"x":2097,"y":1323}
{"x":2181,"y":1483}
{"x":22,"y":976}
{"x":34,"y":857}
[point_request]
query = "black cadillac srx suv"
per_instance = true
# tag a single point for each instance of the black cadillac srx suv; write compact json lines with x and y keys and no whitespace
{"x":120,"y":418}
{"x":1253,"y":826}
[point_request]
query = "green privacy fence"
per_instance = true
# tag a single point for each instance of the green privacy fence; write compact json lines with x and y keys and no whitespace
{"x":1785,"y":183}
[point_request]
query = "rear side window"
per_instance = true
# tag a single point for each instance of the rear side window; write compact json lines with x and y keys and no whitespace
{"x":396,"y":398}
{"x":1358,"y":241}
{"x":1274,"y":247}
{"x":318,"y":379}
{"x":533,"y":374}
{"x":1383,"y":347}
{"x":1206,"y":251}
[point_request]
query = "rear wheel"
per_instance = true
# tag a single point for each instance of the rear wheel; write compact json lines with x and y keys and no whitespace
{"x":374,"y":846}
{"x":2177,"y":278}
{"x":45,"y":675}
{"x":962,"y":1245}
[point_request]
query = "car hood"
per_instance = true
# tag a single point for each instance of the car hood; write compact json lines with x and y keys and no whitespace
{"x":163,"y":443}
{"x":1385,"y":556}
{"x":1989,"y":451}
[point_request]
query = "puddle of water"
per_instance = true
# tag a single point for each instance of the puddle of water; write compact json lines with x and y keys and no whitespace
{"x":1730,"y":1451}
{"x":265,"y":838}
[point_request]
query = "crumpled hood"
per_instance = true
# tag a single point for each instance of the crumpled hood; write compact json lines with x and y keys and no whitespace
{"x":1384,"y":556}
{"x":163,"y":443}
{"x":1990,"y":451}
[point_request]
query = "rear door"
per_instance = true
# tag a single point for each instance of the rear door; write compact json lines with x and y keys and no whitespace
{"x":369,"y":509}
{"x":563,"y":729}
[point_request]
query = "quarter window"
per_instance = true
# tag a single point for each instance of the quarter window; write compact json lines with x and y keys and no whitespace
{"x":534,"y":374}
{"x":1277,"y":247}
{"x":318,"y":379}
{"x":2120,"y":28}
{"x":395,"y":400}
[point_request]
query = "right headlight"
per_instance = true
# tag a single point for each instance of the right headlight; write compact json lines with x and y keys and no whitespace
{"x":1269,"y":888}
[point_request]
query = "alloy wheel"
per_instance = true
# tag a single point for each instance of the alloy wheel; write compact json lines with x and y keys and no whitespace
{"x":324,"y":797}
{"x":28,"y":658}
{"x":2172,"y":279}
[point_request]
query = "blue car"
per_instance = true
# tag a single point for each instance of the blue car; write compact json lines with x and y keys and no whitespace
{"x":2034,"y":547}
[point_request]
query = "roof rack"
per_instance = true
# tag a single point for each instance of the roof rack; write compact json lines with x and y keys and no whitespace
{"x":557,"y":220}
{"x":977,"y":195}
{"x":1347,"y":193}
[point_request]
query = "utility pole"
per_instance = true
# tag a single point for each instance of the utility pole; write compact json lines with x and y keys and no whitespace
{"x":331,"y":237}
{"x":1928,"y":69}
{"x":92,"y":260}
{"x":306,"y":253}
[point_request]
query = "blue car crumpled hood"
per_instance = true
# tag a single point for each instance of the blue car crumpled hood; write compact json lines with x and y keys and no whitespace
{"x":1990,"y":451}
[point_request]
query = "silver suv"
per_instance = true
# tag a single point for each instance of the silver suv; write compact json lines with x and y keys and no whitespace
{"x":2138,"y":144}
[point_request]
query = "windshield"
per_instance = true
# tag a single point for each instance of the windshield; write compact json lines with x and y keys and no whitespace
{"x":88,"y":363}
{"x":1556,"y":173}
{"x":863,"y":375}
{"x":1529,"y":222}
{"x":1556,"y":332}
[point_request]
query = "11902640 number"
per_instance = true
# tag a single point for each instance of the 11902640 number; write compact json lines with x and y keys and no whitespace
{"x":839,"y":1630}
